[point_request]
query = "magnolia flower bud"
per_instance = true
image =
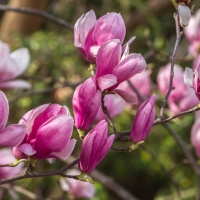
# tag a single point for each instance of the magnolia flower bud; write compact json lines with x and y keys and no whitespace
{"x":86,"y":103}
{"x":96,"y":145}
{"x":143,"y":120}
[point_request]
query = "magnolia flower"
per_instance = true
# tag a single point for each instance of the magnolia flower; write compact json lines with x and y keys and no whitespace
{"x":111,"y":70}
{"x":114,"y":104}
{"x":182,"y":97}
{"x":192,"y":77}
{"x":49,"y":129}
{"x":192,"y":32}
{"x":78,"y":189}
{"x":90,"y":34}
{"x":95,"y":146}
{"x":12,"y":65}
{"x":86,"y":103}
{"x":143,"y":120}
{"x":13,"y":134}
{"x":6,"y":158}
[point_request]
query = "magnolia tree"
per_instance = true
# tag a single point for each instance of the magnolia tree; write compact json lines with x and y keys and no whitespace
{"x":119,"y":80}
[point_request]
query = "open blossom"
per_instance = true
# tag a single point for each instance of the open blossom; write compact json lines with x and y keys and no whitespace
{"x":6,"y":158}
{"x":12,"y":65}
{"x":86,"y":103}
{"x":95,"y":146}
{"x":78,"y":189}
{"x":114,"y":104}
{"x":192,"y":77}
{"x":143,"y":120}
{"x":182,"y":97}
{"x":49,"y":129}
{"x":192,"y":32}
{"x":90,"y":34}
{"x":113,"y":70}
{"x":13,"y":134}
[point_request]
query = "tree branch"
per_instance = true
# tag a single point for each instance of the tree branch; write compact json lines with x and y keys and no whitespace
{"x":39,"y":13}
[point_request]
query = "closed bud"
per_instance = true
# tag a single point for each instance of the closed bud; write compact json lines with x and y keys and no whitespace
{"x":143,"y":120}
{"x":86,"y":103}
{"x":96,"y":145}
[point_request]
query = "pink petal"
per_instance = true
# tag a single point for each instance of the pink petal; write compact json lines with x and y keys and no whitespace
{"x":129,"y":66}
{"x":103,"y":152}
{"x":26,"y":149}
{"x":15,"y":84}
{"x":106,"y":81}
{"x":66,"y":152}
{"x":4,"y":110}
{"x":53,"y":135}
{"x":108,"y":57}
{"x":128,"y":43}
{"x":86,"y":151}
{"x":127,"y":96}
{"x":108,"y":27}
{"x":12,"y":135}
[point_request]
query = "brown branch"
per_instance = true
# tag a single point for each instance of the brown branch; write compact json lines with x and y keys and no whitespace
{"x":178,"y":37}
{"x":59,"y":172}
{"x":105,"y":111}
{"x":39,"y":13}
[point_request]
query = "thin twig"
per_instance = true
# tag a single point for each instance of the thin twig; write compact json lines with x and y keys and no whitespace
{"x":105,"y":111}
{"x":39,"y":174}
{"x":173,"y":58}
{"x":39,"y":13}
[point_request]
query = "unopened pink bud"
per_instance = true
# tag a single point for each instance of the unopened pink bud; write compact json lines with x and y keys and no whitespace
{"x":143,"y":120}
{"x":86,"y":103}
{"x":195,"y":135}
{"x":96,"y":145}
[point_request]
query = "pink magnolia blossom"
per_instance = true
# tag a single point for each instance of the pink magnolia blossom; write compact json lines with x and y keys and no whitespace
{"x":49,"y":129}
{"x":12,"y":65}
{"x":114,"y":104}
{"x":95,"y":146}
{"x":182,"y":97}
{"x":86,"y":103}
{"x":143,"y":120}
{"x":195,"y":136}
{"x":113,"y":70}
{"x":6,"y":158}
{"x":192,"y":32}
{"x":192,"y":77}
{"x":78,"y":189}
{"x":13,"y":134}
{"x":90,"y":34}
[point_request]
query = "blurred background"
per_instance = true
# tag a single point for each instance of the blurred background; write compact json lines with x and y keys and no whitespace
{"x":55,"y":63}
